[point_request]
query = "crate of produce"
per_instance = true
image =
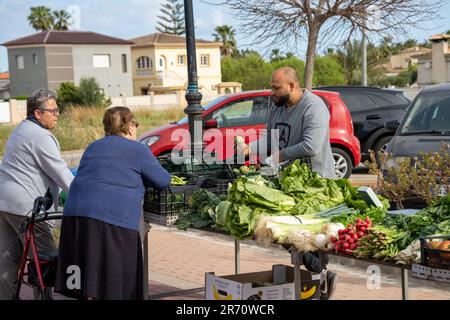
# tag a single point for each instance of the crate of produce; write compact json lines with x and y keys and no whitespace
{"x":174,"y":199}
{"x":435,"y":251}
{"x":218,"y":184}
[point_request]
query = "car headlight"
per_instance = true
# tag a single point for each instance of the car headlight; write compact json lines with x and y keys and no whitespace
{"x":150,"y":140}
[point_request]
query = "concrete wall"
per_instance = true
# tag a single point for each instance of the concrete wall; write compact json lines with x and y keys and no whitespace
{"x":59,"y":65}
{"x":439,"y":62}
{"x":5,"y":115}
{"x":112,"y":80}
{"x":32,"y":76}
{"x":424,"y":75}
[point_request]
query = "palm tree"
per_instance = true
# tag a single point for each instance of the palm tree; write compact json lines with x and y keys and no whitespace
{"x":226,"y":35}
{"x":275,"y":55}
{"x":61,"y":18}
{"x":40,"y":18}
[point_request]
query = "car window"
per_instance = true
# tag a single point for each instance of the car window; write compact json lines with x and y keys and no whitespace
{"x":235,"y":113}
{"x":429,"y":112}
{"x":249,"y":111}
{"x":382,"y":100}
{"x":357,"y":102}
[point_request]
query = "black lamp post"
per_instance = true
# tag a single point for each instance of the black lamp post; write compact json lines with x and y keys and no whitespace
{"x":194,"y":109}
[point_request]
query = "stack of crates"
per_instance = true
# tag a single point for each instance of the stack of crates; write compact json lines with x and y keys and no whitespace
{"x":164,"y":206}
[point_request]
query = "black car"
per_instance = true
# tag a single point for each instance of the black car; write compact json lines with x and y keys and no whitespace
{"x":370,"y":108}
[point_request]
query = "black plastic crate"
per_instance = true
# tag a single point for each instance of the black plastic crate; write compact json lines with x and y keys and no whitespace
{"x":434,"y":256}
{"x":219,"y":182}
{"x":174,"y":199}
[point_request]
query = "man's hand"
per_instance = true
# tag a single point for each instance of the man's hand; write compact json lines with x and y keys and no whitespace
{"x":241,"y":147}
{"x":276,"y":158}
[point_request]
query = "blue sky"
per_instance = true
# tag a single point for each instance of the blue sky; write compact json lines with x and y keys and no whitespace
{"x":131,"y":18}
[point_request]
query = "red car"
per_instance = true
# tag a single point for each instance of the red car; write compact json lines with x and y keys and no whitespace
{"x":247,"y":110}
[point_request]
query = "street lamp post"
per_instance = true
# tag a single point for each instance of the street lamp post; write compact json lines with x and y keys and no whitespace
{"x":193,"y":97}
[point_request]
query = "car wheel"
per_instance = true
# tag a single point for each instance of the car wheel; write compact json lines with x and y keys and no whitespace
{"x":342,"y":163}
{"x":381,"y":146}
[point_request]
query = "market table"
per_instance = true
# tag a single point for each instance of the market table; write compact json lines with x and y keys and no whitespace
{"x":296,"y":260}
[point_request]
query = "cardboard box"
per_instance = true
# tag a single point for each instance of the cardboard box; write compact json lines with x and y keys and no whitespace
{"x":276,"y":284}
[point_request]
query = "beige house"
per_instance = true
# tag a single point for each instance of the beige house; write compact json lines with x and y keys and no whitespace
{"x":159,"y":65}
{"x":399,"y":62}
{"x":434,"y":67}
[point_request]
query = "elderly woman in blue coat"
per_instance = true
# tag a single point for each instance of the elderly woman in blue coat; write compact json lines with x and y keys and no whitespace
{"x":100,"y":252}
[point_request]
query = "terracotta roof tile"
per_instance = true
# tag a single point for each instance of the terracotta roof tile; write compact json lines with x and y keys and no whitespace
{"x":66,"y":37}
{"x":163,"y":38}
{"x":441,"y":36}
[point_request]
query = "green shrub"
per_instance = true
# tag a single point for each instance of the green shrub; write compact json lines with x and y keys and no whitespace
{"x":87,"y":94}
{"x":19,"y":98}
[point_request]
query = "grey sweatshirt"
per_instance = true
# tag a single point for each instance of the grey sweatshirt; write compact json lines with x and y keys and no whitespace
{"x":32,"y":163}
{"x":304,"y":132}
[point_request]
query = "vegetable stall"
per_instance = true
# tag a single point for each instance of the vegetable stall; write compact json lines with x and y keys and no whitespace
{"x":299,"y":209}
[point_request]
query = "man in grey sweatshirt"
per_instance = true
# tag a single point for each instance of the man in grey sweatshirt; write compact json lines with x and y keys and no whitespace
{"x":299,"y":122}
{"x":31,"y":164}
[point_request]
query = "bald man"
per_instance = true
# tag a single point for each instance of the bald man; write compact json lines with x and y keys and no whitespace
{"x":302,"y":121}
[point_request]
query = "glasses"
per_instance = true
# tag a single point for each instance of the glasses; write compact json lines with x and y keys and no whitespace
{"x":135,"y":123}
{"x":52,"y":111}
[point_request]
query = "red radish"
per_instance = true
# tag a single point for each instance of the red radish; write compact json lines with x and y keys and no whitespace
{"x":350,"y":241}
{"x":350,"y":226}
{"x":355,"y":236}
{"x":347,"y":237}
{"x":358,"y":220}
{"x":342,"y":237}
{"x":363,"y":229}
{"x":345,"y":245}
{"x":341,"y":232}
{"x":360,"y":234}
{"x":352,"y":246}
{"x":333,"y":239}
{"x":345,"y":231}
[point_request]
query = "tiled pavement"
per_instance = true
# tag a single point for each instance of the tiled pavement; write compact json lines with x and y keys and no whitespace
{"x":180,"y":259}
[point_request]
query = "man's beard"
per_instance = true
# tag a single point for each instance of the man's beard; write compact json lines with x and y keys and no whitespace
{"x":281,"y":101}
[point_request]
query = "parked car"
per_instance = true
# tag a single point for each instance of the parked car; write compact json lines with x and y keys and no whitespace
{"x":370,"y":108}
{"x":246,"y":110}
{"x":425,"y":126}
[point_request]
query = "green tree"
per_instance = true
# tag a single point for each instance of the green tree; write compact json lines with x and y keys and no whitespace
{"x":275,"y":55}
{"x":61,"y":20}
{"x":68,"y":95}
{"x":87,"y":94}
{"x":171,"y":18}
{"x":328,"y":72}
{"x":40,"y":18}
{"x":91,"y":94}
{"x":226,"y":34}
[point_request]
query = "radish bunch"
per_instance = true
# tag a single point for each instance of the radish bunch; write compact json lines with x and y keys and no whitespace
{"x":347,"y":239}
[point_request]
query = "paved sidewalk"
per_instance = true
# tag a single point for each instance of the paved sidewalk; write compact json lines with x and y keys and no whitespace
{"x":178,"y":260}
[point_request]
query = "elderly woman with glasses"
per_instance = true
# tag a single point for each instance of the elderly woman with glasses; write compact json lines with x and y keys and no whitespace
{"x":100,"y":253}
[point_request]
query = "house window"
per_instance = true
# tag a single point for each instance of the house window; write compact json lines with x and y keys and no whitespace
{"x":35,"y":59}
{"x":204,"y":60}
{"x":101,"y":60}
{"x":161,"y":62}
{"x":144,"y":65}
{"x":181,"y":59}
{"x":19,"y":62}
{"x":124,"y":63}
